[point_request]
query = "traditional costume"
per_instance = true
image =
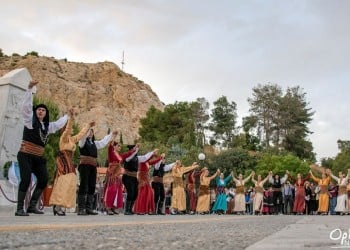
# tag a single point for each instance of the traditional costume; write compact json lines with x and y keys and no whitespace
{"x":87,"y":169}
{"x":277,"y":192}
{"x":30,"y":156}
{"x":299,"y":200}
{"x":113,"y":189}
{"x":144,"y":203}
{"x":191,"y":190}
{"x":323,"y":199}
{"x":239,"y":197}
{"x":220,"y":205}
{"x":178,"y":199}
{"x":65,"y":185}
{"x":157,"y":184}
{"x":342,"y":199}
{"x":129,"y":178}
{"x":203,"y":203}
{"x":259,"y":195}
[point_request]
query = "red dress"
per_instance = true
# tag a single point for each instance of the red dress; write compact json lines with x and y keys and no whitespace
{"x":113,"y":194}
{"x":299,"y":200}
{"x":144,"y":203}
{"x":191,"y":178}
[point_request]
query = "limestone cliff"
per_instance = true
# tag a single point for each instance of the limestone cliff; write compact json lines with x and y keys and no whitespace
{"x":101,"y":91}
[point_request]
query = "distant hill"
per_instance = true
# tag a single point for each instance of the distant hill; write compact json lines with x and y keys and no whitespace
{"x":101,"y":91}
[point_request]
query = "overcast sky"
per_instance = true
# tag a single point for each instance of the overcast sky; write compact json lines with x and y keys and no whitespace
{"x":187,"y":49}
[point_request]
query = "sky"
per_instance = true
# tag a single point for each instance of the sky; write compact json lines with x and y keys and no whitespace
{"x":201,"y":48}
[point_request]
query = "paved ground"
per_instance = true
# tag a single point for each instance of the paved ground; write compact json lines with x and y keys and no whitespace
{"x":170,"y":231}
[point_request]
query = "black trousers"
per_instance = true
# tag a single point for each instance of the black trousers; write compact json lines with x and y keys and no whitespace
{"x":159,"y":194}
{"x":277,"y":201}
{"x":29,"y":164}
{"x":88,"y":175}
{"x":131,"y":185}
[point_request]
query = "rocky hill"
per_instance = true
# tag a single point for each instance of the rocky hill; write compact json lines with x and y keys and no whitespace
{"x":101,"y":91}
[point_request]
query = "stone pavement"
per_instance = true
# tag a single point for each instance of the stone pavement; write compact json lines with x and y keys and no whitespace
{"x":171,"y":232}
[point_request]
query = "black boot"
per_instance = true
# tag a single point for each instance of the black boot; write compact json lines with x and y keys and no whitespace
{"x":128,"y":208}
{"x":90,"y":204}
{"x":34,"y":202}
{"x":20,"y":203}
{"x":160,"y":208}
{"x":82,"y":204}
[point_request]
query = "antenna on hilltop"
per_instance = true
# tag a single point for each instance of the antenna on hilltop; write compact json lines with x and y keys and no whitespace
{"x":123,"y":61}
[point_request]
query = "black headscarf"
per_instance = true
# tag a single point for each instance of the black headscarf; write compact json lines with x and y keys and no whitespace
{"x":46,"y":119}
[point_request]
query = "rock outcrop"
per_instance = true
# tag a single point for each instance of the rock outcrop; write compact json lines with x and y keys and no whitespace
{"x":101,"y":91}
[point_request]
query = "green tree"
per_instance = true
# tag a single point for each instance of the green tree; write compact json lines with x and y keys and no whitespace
{"x":238,"y":160}
{"x":200,"y":110}
{"x":264,"y":109}
{"x":278,"y":164}
{"x":294,"y":118}
{"x":174,"y":125}
{"x":223,"y":123}
{"x":281,"y":121}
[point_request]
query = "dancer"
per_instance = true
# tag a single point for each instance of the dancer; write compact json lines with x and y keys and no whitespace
{"x":65,"y":185}
{"x":259,"y":194}
{"x":144,"y":203}
{"x":342,"y":199}
{"x":203,"y":203}
{"x":88,"y":147}
{"x":220,"y":205}
{"x":113,"y":189}
{"x":323,"y":200}
{"x":129,"y":178}
{"x":191,"y":189}
{"x":37,"y":128}
{"x":178,"y":199}
{"x":299,"y":200}
{"x":157,"y":184}
{"x":239,"y":207}
{"x":277,"y":183}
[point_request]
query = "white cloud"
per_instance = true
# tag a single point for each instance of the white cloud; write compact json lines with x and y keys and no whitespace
{"x":189,"y":49}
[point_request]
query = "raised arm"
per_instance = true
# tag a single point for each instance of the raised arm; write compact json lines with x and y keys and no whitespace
{"x":214,"y":175}
{"x":82,"y":132}
{"x":285,"y":177}
{"x":146,"y":157}
{"x":265,"y":180}
{"x":57,"y":125}
{"x":253,"y":180}
{"x":27,"y":105}
{"x":233,"y":177}
{"x":188,"y":169}
{"x":104,"y":142}
{"x":227,"y":179}
{"x":247,"y":179}
{"x":313,"y":177}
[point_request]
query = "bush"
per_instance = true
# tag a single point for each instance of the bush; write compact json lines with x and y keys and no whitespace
{"x":32,"y":53}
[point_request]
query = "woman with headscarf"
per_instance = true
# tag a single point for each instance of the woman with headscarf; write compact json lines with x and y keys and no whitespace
{"x":239,"y":197}
{"x":203,"y":203}
{"x":113,"y":190}
{"x":178,"y":199}
{"x":323,"y":200}
{"x":259,"y":194}
{"x":220,"y":205}
{"x":299,"y":200}
{"x":342,"y":198}
{"x":65,"y":185}
{"x":37,"y":127}
{"x":144,"y":203}
{"x":130,"y":176}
